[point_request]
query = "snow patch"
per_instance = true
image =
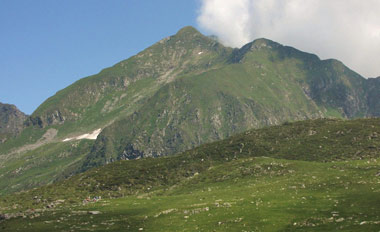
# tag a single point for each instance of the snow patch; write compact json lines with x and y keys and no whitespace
{"x":91,"y":136}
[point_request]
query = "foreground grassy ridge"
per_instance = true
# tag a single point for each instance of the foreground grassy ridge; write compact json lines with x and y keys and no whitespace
{"x":319,"y":140}
{"x":248,"y":194}
{"x":227,"y":186}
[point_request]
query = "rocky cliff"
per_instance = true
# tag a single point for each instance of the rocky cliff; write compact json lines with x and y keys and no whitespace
{"x":11,"y":121}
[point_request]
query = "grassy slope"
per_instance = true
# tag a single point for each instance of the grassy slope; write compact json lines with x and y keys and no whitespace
{"x":321,"y":176}
{"x":263,"y":87}
{"x":115,"y":92}
{"x":42,"y":165}
{"x":291,"y":195}
{"x":28,"y":136}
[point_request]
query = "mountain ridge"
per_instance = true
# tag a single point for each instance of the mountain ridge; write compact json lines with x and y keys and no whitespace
{"x":187,"y":34}
{"x":323,"y":92}
{"x":124,"y":73}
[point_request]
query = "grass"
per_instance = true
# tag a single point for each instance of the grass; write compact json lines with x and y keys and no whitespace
{"x":28,"y":136}
{"x":254,"y":194}
{"x":272,"y":179}
{"x":263,"y":86}
{"x":42,"y":166}
{"x":153,"y":104}
{"x":264,"y":83}
{"x":152,"y":116}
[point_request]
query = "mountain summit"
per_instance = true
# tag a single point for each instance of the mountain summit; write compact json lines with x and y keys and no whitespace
{"x":11,"y":121}
{"x":188,"y":31}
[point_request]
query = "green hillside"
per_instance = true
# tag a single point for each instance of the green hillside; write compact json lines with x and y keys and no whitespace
{"x":11,"y":121}
{"x":42,"y":165}
{"x":316,"y":175}
{"x":263,"y":83}
{"x":94,"y":101}
{"x":183,"y":91}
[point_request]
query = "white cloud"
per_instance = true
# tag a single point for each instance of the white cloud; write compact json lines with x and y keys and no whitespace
{"x":348,"y":30}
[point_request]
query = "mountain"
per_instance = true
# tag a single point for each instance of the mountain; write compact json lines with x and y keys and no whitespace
{"x":11,"y":121}
{"x":314,"y":175}
{"x":373,"y":96}
{"x":95,"y":102}
{"x":120,"y":90}
{"x":263,"y":83}
{"x":183,"y":91}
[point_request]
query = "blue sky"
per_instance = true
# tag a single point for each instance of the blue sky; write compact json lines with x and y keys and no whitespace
{"x":46,"y":45}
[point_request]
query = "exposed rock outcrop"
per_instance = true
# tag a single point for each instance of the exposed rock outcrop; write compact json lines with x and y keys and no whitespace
{"x":11,"y":121}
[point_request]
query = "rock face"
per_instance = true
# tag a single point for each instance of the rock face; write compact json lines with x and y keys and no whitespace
{"x":11,"y":121}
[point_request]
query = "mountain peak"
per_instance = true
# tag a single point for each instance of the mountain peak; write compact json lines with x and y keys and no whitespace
{"x":259,"y":44}
{"x":263,"y":43}
{"x":11,"y":121}
{"x":187,"y":34}
{"x":188,"y":30}
{"x":4,"y":107}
